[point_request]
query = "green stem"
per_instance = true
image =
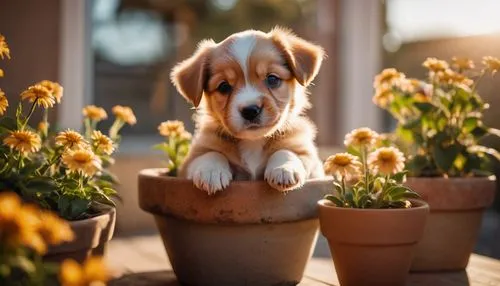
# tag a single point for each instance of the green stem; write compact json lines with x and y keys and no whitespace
{"x":32,"y":109}
{"x":364,"y":158}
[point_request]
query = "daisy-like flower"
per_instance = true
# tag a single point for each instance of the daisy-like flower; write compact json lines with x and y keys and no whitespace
{"x":92,"y":272}
{"x":82,"y":161}
{"x":491,"y":64}
{"x":102,"y":143}
{"x":343,"y":165}
{"x":54,"y":88}
{"x":386,"y":160}
{"x":1,"y":73}
{"x":173,"y":128}
{"x":462,"y":64}
{"x":23,"y":141}
{"x":361,"y":137}
{"x":185,"y":136}
{"x":39,"y":93}
{"x":125,"y":114}
{"x":384,"y":95}
{"x":435,"y":65}
{"x":4,"y":103}
{"x":449,"y":76}
{"x":95,"y":113}
{"x":53,"y":229}
{"x":4,"y":48}
{"x":70,"y":139}
{"x":19,"y":224}
{"x":387,"y":76}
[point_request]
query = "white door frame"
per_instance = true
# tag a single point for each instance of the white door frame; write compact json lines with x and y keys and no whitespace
{"x":75,"y":61}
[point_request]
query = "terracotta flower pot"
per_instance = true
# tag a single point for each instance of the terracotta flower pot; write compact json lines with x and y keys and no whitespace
{"x":372,"y":246}
{"x":456,"y":211}
{"x":248,"y":234}
{"x":91,"y":237}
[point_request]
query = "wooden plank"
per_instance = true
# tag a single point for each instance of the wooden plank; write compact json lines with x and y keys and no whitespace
{"x":141,"y":260}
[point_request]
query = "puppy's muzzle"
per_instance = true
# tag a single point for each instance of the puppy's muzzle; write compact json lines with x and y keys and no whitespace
{"x":251,"y":112}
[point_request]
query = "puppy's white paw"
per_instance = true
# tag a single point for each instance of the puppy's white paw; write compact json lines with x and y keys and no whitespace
{"x":285,"y":171}
{"x":210,"y":172}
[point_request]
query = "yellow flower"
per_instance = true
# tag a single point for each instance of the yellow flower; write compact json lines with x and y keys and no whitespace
{"x":384,"y":95}
{"x":94,"y":113}
{"x":40,"y":94}
{"x":172,"y":128}
{"x":19,"y":224}
{"x":70,"y":139}
{"x":125,"y":114}
{"x":449,"y":76}
{"x":54,"y":88}
{"x":435,"y":65}
{"x":361,"y":137}
{"x":1,"y":73}
{"x":185,"y":136}
{"x":387,"y":77}
{"x":462,"y":63}
{"x":82,"y":161}
{"x":4,"y":48}
{"x":343,"y":165}
{"x":23,"y":141}
{"x":4,"y":103}
{"x":492,"y":64}
{"x":92,"y":272}
{"x":53,"y":229}
{"x":102,"y":143}
{"x":386,"y":160}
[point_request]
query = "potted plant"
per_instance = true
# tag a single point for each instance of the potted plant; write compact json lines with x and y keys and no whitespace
{"x":66,"y":171}
{"x":25,"y":233}
{"x":440,"y":126}
{"x":372,"y":221}
{"x":249,"y":234}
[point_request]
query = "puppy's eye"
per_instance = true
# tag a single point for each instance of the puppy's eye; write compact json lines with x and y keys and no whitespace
{"x":224,"y":88}
{"x":272,"y":81}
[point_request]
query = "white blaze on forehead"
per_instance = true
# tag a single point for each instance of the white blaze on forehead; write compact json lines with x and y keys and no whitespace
{"x":241,"y":49}
{"x":248,"y":95}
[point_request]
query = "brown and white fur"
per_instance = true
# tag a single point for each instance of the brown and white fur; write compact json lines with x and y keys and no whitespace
{"x":236,"y":79}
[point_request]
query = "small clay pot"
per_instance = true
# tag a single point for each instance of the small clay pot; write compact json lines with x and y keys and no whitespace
{"x":372,"y":246}
{"x":456,"y":210}
{"x":247,"y":234}
{"x":91,"y":237}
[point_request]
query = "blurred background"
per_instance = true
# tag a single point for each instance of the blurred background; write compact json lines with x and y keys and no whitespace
{"x":108,"y":52}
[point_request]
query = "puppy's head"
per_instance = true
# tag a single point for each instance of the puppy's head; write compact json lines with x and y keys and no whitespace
{"x":250,"y":82}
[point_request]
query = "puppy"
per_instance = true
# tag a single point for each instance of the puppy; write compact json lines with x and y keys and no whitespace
{"x":250,"y":91}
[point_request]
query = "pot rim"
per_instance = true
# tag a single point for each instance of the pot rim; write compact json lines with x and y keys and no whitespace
{"x":156,"y":173}
{"x":108,"y":211}
{"x":421,"y":204}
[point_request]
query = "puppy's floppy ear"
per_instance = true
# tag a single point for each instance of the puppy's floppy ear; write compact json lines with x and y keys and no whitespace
{"x":191,"y":75}
{"x":303,"y":57}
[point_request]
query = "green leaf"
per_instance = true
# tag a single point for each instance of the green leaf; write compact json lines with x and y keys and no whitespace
{"x":41,"y":185}
{"x":444,"y":157}
{"x":424,"y":107}
{"x":400,"y":177}
{"x":470,"y":124}
{"x":334,"y":200}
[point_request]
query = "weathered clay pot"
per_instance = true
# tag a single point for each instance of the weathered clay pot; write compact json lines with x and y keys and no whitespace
{"x":372,"y":246}
{"x":248,"y":234}
{"x":91,"y":237}
{"x":456,"y":211}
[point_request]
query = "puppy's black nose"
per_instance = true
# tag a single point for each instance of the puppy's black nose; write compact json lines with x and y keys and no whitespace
{"x":251,"y":112}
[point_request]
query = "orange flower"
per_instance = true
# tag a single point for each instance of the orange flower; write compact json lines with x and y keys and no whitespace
{"x":40,"y":94}
{"x":343,"y":165}
{"x":386,"y":160}
{"x":125,"y":114}
{"x":92,"y":272}
{"x":4,"y":103}
{"x":54,"y":88}
{"x":23,"y":141}
{"x":462,"y":64}
{"x":435,"y":65}
{"x":4,"y":48}
{"x":361,"y":137}
{"x":387,"y":77}
{"x":94,"y":113}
